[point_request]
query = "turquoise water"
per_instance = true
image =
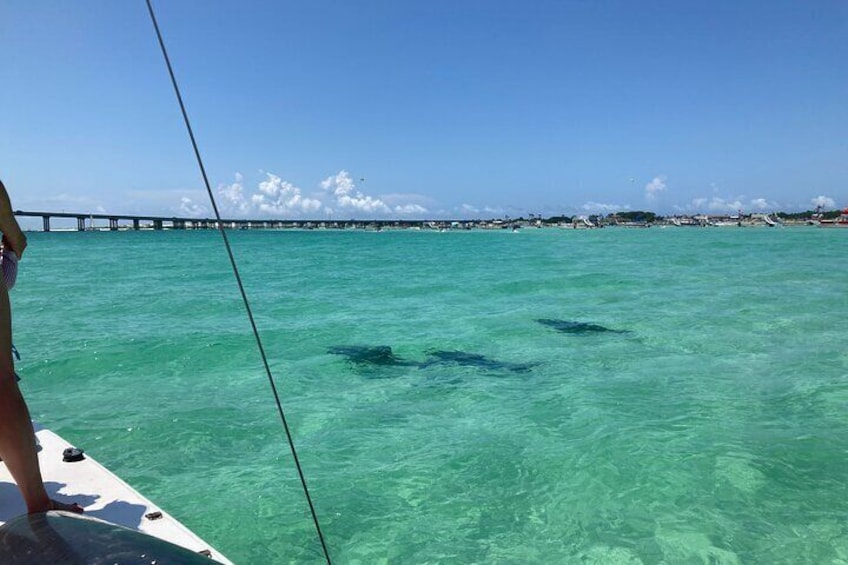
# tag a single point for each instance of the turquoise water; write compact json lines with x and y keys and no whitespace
{"x":712,"y":430}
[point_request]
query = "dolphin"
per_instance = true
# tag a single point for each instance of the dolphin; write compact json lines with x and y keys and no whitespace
{"x":380,"y":355}
{"x":577,"y":328}
{"x":465,"y":359}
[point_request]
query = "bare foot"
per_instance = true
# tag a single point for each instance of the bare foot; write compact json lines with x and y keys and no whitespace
{"x":73,"y":507}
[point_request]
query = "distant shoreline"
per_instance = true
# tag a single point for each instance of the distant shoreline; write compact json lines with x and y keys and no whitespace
{"x":128,"y":222}
{"x":465,"y":226}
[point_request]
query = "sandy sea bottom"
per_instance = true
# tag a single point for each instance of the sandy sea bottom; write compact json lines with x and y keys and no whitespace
{"x":685,"y":401}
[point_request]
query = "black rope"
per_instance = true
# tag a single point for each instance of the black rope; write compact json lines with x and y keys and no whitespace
{"x":240,"y":285}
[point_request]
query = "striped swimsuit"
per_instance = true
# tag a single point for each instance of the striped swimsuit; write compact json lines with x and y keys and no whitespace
{"x":9,"y":264}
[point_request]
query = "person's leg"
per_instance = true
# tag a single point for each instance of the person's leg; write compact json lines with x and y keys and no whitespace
{"x":17,"y":439}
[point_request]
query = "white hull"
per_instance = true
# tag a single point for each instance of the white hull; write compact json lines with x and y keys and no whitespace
{"x":103,"y":495}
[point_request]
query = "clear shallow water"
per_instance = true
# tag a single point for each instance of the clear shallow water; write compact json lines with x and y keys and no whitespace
{"x":714,"y":431}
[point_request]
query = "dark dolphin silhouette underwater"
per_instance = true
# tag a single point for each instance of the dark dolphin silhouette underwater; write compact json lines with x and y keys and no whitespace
{"x":578,"y":328}
{"x":464,"y":359}
{"x":383,"y":356}
{"x":373,"y":356}
{"x":379,"y":355}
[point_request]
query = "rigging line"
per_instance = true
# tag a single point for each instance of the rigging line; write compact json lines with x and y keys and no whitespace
{"x":240,"y":285}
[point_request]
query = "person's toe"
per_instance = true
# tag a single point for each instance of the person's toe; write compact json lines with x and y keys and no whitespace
{"x":73,"y":507}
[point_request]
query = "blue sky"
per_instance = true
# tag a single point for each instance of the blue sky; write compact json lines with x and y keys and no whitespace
{"x":428,"y":109}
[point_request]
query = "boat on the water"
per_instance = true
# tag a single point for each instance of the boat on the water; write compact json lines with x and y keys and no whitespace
{"x":582,"y":223}
{"x":119,"y":525}
{"x":839,"y":222}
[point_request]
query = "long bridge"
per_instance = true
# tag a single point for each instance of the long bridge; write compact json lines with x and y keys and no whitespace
{"x":134,"y":222}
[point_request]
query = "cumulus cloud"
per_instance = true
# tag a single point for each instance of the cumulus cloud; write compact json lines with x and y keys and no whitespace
{"x":232,"y":196}
{"x":277,"y":196}
{"x":191,"y":209}
{"x":655,"y":187}
{"x":824,"y":202}
{"x":761,"y":204}
{"x":405,"y":200}
{"x":347,"y":197}
{"x":717,"y":204}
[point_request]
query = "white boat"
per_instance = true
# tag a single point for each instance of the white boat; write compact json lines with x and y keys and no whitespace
{"x":108,"y":502}
{"x":582,"y":223}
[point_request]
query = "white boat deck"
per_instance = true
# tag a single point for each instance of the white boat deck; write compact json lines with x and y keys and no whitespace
{"x":103,"y":495}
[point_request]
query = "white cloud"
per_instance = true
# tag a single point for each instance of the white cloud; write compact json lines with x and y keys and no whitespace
{"x":410,"y":210}
{"x":337,"y":194}
{"x":408,"y":204}
{"x":347,"y":197}
{"x":655,"y":187}
{"x":233,"y":196}
{"x":191,"y":209}
{"x":157,"y":202}
{"x":340,"y":185}
{"x":601,"y":208}
{"x":277,"y":196}
{"x":824,"y":202}
{"x":761,"y":204}
{"x":730,"y":205}
{"x":717,"y":204}
{"x":722,"y":205}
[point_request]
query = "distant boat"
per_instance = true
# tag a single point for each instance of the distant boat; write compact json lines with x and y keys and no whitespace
{"x":582,"y":223}
{"x":840,"y":222}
